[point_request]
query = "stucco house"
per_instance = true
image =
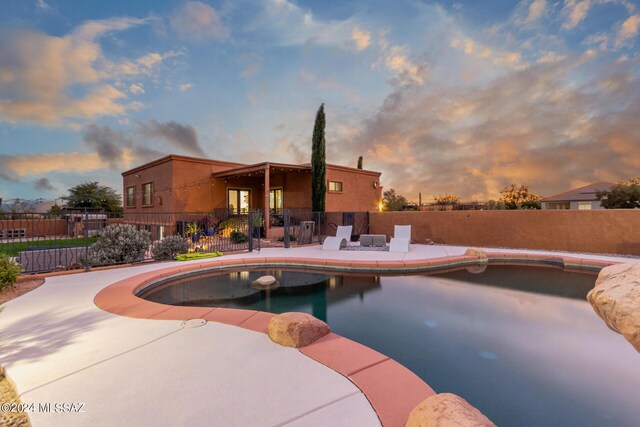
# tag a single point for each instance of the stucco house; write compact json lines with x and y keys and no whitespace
{"x":583,"y":198}
{"x":187,"y":184}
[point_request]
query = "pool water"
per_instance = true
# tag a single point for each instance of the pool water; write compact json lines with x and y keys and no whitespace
{"x":520,"y":344}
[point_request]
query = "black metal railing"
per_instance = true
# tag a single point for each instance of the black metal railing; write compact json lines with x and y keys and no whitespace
{"x":42,"y":242}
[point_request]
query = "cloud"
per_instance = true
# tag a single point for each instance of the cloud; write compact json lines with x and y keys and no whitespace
{"x":178,"y":135}
{"x":361,"y":38}
{"x":51,"y":80}
{"x":284,"y":23}
{"x":42,"y":5}
{"x":38,"y":164}
{"x":480,"y":51}
{"x":185,"y":87}
{"x":407,"y":71}
{"x":575,"y":11}
{"x":533,"y":125}
{"x":115,"y":149}
{"x":110,"y":149}
{"x":110,"y":145}
{"x":536,"y":10}
{"x":43,"y":184}
{"x":197,"y":21}
{"x":136,"y":88}
{"x":628,"y":30}
{"x":397,"y":59}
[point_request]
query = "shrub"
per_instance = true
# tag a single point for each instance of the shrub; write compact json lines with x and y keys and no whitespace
{"x":9,"y":272}
{"x":119,"y":243}
{"x":238,"y":237}
{"x":169,"y":247}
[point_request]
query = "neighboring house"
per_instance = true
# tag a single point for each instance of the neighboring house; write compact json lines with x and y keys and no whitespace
{"x":188,"y":184}
{"x":583,"y":198}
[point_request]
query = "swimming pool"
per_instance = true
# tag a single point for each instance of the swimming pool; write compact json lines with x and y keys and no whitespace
{"x":521,"y":344}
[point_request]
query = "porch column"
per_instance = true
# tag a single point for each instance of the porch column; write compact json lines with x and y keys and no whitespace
{"x":267,"y":222}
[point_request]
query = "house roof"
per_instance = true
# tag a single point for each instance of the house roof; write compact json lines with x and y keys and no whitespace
{"x":259,"y":168}
{"x":171,"y":157}
{"x":239,"y":169}
{"x":586,"y":193}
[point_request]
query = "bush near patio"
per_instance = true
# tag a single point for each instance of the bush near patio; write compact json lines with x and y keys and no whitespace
{"x":169,"y":247}
{"x":238,"y":237}
{"x":117,"y":244}
{"x":9,"y":272}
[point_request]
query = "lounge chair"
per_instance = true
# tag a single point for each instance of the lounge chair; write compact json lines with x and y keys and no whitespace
{"x":341,"y":239}
{"x":401,"y":239}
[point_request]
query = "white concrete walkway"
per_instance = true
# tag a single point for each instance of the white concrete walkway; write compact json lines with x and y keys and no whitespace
{"x":58,"y":347}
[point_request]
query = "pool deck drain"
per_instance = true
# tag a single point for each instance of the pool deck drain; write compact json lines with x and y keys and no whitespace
{"x":57,"y":346}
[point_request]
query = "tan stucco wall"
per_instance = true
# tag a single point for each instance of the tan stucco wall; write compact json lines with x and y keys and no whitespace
{"x":358,"y":192}
{"x":602,"y":231}
{"x":211,"y":193}
{"x":161,"y":176}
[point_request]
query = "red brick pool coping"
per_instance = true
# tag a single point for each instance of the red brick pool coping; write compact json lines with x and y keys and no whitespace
{"x":392,"y":389}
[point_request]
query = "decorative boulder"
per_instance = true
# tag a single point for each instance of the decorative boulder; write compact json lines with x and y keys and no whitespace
{"x":446,"y":409}
{"x":480,"y":253}
{"x":265,"y":283}
{"x":296,"y":329}
{"x":483,"y":260}
{"x":616,"y":299}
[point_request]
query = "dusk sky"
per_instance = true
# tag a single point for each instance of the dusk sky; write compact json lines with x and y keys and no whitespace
{"x":460,"y":97}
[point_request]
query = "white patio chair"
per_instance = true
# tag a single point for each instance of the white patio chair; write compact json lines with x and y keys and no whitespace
{"x":340,"y":240}
{"x":401,"y":238}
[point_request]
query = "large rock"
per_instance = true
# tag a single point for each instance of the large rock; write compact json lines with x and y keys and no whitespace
{"x":444,"y":410}
{"x":616,"y":299}
{"x":265,"y":283}
{"x":296,"y":329}
{"x":477,"y":252}
{"x":483,"y":260}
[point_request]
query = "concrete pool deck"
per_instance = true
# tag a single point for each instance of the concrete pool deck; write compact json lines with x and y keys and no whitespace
{"x":57,"y":346}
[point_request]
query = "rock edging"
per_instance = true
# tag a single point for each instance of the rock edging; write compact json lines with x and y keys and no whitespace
{"x":446,"y":409}
{"x":296,"y":329}
{"x":616,"y":299}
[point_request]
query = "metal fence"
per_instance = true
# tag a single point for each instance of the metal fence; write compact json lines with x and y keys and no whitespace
{"x":42,"y":242}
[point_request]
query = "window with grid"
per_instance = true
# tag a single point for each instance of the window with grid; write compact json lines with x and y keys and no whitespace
{"x":335,"y":186}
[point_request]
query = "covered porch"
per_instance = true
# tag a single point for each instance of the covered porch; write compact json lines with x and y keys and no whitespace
{"x":268,"y":187}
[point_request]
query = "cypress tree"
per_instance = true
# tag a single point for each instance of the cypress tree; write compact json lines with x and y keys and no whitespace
{"x":318,"y":163}
{"x":360,"y":162}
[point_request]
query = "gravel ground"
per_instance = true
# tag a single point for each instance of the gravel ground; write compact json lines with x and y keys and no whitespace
{"x":19,"y":289}
{"x":8,"y":395}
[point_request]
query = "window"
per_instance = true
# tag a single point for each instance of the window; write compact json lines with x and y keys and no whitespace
{"x":558,"y":205}
{"x":335,"y":186}
{"x":275,"y":200}
{"x":238,"y":201}
{"x":147,"y":194}
{"x":131,"y":197}
{"x":584,"y":206}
